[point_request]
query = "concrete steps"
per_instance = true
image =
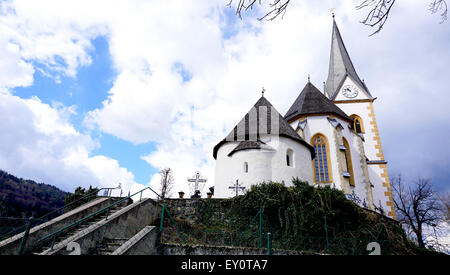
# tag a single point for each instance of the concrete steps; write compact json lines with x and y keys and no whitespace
{"x":126,"y":231}
{"x":70,"y":232}
{"x":109,"y":245}
{"x":11,"y":245}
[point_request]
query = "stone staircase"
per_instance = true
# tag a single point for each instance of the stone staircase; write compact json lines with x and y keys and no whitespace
{"x":129,"y":228}
{"x":11,"y":245}
{"x":109,"y":245}
{"x":70,"y":232}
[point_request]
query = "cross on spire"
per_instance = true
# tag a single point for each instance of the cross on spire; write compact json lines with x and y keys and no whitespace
{"x":197,"y":180}
{"x":237,"y":187}
{"x":332,"y":12}
{"x":262,"y":92}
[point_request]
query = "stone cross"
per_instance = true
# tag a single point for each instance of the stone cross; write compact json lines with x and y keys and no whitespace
{"x":197,"y":179}
{"x":236,"y":187}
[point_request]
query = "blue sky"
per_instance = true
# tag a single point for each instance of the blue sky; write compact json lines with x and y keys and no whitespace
{"x":115,"y":94}
{"x":87,"y":91}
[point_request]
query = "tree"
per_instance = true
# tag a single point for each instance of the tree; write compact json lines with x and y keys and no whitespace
{"x":376,"y":17}
{"x":166,"y":183}
{"x":445,"y":200}
{"x":80,"y":197}
{"x":276,"y":8}
{"x":3,"y":209}
{"x":416,"y":206}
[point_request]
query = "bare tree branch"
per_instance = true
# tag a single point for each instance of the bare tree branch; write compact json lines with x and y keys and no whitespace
{"x":445,"y":200}
{"x":376,"y":17}
{"x":277,"y":7}
{"x":438,"y":5}
{"x":166,"y":183}
{"x":378,"y":14}
{"x":417,"y":206}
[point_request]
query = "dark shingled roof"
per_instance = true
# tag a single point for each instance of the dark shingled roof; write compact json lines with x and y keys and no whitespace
{"x":245,"y":145}
{"x":340,"y":66}
{"x":312,"y":101}
{"x":285,"y":129}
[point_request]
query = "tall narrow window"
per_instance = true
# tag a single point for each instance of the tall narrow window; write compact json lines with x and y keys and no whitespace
{"x":321,"y":164}
{"x":348,"y":160}
{"x":290,"y":158}
{"x":245,"y":167}
{"x":357,"y":124}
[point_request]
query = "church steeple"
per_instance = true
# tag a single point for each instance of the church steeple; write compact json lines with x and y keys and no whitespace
{"x":340,"y":66}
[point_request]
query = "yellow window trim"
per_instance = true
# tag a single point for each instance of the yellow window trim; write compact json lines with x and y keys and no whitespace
{"x":355,"y":118}
{"x":322,"y":165}
{"x":349,"y":161}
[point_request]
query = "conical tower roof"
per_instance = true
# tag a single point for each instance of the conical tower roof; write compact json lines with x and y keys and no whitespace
{"x":252,"y":132}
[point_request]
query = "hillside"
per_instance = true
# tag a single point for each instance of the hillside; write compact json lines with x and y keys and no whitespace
{"x":301,"y":218}
{"x":25,"y":198}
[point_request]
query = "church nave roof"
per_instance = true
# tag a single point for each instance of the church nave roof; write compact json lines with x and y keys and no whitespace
{"x":312,"y":101}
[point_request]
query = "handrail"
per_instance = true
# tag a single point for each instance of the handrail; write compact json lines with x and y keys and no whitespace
{"x":54,"y":234}
{"x":87,"y":195}
{"x":56,"y":210}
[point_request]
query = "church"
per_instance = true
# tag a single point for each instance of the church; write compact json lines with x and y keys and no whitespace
{"x":327,"y":138}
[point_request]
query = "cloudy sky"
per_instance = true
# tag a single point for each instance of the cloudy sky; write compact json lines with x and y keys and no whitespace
{"x":101,"y":92}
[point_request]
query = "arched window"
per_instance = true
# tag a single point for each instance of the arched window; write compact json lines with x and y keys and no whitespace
{"x":245,"y":167}
{"x":357,"y":124}
{"x":290,"y":158}
{"x":321,"y":163}
{"x":348,"y":160}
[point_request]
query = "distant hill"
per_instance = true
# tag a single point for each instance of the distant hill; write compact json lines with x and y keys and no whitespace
{"x":26,"y":198}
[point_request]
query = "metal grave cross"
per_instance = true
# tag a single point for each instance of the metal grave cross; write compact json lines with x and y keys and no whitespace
{"x":236,"y":187}
{"x":197,"y":179}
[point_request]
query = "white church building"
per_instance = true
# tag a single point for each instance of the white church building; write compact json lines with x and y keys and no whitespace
{"x":326,"y":138}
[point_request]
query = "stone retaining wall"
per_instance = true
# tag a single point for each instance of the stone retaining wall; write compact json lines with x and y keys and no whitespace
{"x":180,"y":249}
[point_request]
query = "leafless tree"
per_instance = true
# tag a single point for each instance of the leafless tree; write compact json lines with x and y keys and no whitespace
{"x":439,"y":5}
{"x":376,"y":17}
{"x":380,"y":10}
{"x":166,"y":183}
{"x":276,"y":8}
{"x":416,"y":206}
{"x":445,"y":200}
{"x":379,"y":13}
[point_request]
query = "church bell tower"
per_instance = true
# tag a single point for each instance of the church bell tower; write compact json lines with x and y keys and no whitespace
{"x":348,"y":92}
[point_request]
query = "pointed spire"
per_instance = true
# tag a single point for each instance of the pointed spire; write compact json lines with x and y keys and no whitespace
{"x":340,"y":65}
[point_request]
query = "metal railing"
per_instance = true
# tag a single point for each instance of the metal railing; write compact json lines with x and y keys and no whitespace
{"x":55,"y":234}
{"x":259,"y":233}
{"x":30,"y":221}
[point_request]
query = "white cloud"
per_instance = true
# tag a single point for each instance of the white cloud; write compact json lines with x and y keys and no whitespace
{"x":38,"y":142}
{"x":14,"y":71}
{"x":150,"y":102}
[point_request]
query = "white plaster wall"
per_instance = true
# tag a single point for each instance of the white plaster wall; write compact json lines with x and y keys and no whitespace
{"x":263,"y":165}
{"x":378,"y":189}
{"x":229,"y":169}
{"x":361,"y":109}
{"x":302,"y":165}
{"x":320,"y":124}
{"x":360,"y":187}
